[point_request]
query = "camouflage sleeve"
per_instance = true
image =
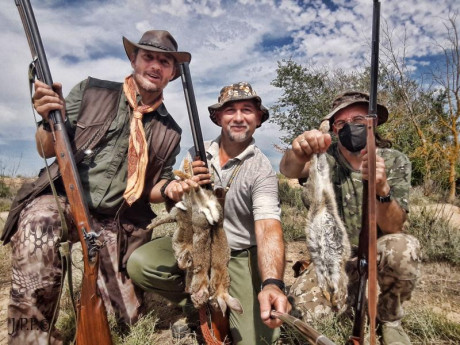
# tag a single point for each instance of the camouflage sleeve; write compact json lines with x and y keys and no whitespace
{"x":398,"y":169}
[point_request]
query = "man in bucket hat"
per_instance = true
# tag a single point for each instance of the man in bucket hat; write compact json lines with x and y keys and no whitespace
{"x":398,"y":253}
{"x":130,"y":143}
{"x":251,"y":221}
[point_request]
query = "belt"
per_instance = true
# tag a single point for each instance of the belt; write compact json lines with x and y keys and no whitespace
{"x":243,"y":252}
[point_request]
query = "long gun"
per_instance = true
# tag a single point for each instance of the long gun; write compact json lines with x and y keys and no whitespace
{"x":193,"y":116}
{"x":219,"y":323}
{"x":367,"y":249}
{"x":92,"y":324}
{"x":308,"y":332}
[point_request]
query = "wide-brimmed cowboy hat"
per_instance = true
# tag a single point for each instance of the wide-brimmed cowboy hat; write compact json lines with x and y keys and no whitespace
{"x":237,"y":92}
{"x":351,"y":97}
{"x":158,"y":41}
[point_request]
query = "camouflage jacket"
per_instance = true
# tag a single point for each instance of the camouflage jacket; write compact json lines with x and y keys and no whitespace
{"x":348,"y":185}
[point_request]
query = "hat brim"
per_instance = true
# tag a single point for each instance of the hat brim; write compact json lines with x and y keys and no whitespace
{"x":180,"y":57}
{"x":382,"y":112}
{"x":216,"y":107}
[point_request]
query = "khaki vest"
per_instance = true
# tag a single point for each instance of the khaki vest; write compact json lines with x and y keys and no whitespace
{"x":99,"y":107}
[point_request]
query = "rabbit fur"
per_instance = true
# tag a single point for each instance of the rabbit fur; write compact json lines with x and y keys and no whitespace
{"x":327,"y":239}
{"x":201,"y":248}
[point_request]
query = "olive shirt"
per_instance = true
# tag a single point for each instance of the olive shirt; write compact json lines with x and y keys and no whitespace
{"x":103,"y":171}
{"x":348,"y":186}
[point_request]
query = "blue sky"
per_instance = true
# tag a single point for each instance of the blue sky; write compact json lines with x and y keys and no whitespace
{"x":230,"y":41}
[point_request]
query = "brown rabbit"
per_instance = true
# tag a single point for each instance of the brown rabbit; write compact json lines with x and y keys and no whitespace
{"x":201,"y":248}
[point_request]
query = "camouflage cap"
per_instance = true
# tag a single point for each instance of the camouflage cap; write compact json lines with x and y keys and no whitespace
{"x":351,"y":97}
{"x":237,"y":92}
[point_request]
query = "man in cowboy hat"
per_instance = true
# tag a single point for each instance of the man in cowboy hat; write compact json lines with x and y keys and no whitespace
{"x":126,"y":144}
{"x":398,"y":253}
{"x":251,"y":222}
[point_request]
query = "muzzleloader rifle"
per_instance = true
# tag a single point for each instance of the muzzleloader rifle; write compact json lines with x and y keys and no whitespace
{"x":367,"y":249}
{"x":92,"y":325}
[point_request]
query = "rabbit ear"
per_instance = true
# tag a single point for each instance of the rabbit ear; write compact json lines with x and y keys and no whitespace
{"x":181,"y":206}
{"x":222,"y":305}
{"x":233,"y":303}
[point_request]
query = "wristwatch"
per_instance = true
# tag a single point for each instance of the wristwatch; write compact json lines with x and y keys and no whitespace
{"x":163,"y":190}
{"x":386,"y":198}
{"x":45,"y":125}
{"x":276,"y":282}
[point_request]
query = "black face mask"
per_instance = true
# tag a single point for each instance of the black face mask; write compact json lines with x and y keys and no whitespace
{"x":353,"y":137}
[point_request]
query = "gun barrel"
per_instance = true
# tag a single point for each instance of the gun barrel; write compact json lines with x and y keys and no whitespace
{"x":192,"y":111}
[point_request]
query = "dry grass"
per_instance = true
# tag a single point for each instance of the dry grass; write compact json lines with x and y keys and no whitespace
{"x":432,"y":317}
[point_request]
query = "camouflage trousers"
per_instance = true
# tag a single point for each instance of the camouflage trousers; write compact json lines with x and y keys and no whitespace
{"x":37,"y":272}
{"x":398,"y":265}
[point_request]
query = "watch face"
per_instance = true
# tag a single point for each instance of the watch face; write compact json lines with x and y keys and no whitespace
{"x":386,"y":198}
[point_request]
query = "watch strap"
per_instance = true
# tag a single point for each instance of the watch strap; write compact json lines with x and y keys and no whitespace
{"x":163,"y":189}
{"x":386,"y":198}
{"x":273,"y":281}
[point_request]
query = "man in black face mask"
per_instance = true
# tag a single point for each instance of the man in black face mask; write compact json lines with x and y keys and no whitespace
{"x":398,"y":253}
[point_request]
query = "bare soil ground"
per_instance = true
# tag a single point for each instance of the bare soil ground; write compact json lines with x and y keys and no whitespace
{"x":438,"y":290}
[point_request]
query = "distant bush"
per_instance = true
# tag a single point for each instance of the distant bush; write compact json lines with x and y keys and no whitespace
{"x":439,"y":240}
{"x":5,"y":191}
{"x":293,"y":211}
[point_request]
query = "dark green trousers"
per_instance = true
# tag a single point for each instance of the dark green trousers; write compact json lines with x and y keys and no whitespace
{"x":153,"y":267}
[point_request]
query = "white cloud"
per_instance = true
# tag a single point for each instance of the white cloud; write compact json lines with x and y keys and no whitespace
{"x":227,"y":39}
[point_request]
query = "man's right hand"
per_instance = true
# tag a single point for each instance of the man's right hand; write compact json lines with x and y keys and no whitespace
{"x":46,"y":99}
{"x":296,"y":161}
{"x":309,"y":143}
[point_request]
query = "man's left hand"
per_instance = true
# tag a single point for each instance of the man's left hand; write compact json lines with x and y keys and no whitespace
{"x":381,"y":184}
{"x":272,"y":298}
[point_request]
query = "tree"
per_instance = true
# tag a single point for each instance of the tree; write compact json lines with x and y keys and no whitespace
{"x":307,"y":95}
{"x":449,"y":116}
{"x":424,"y":118}
{"x":425,"y":111}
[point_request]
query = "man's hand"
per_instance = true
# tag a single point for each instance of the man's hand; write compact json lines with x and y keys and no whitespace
{"x":296,"y":161}
{"x":272,"y":298}
{"x":176,"y":189}
{"x":201,"y":174}
{"x":381,"y":183}
{"x":46,"y":99}
{"x":309,"y":143}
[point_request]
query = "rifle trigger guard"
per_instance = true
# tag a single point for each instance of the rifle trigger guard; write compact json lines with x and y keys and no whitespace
{"x":94,"y":245}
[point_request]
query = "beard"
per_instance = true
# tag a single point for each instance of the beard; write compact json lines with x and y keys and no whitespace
{"x":238,"y":137}
{"x":144,"y":84}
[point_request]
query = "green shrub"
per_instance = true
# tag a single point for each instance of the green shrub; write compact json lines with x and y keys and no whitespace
{"x":290,"y":196}
{"x":293,"y":211}
{"x":427,"y":327}
{"x":5,"y":191}
{"x":438,"y":238}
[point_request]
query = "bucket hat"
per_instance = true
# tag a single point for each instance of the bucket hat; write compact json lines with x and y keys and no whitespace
{"x":351,"y":97}
{"x":237,"y":92}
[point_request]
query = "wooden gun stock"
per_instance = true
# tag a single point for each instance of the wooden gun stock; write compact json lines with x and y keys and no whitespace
{"x":92,"y":324}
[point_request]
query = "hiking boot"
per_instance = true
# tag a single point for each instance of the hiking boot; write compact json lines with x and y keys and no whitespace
{"x":393,"y":334}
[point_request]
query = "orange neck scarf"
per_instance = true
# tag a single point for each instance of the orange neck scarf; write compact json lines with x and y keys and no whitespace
{"x":137,"y":151}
